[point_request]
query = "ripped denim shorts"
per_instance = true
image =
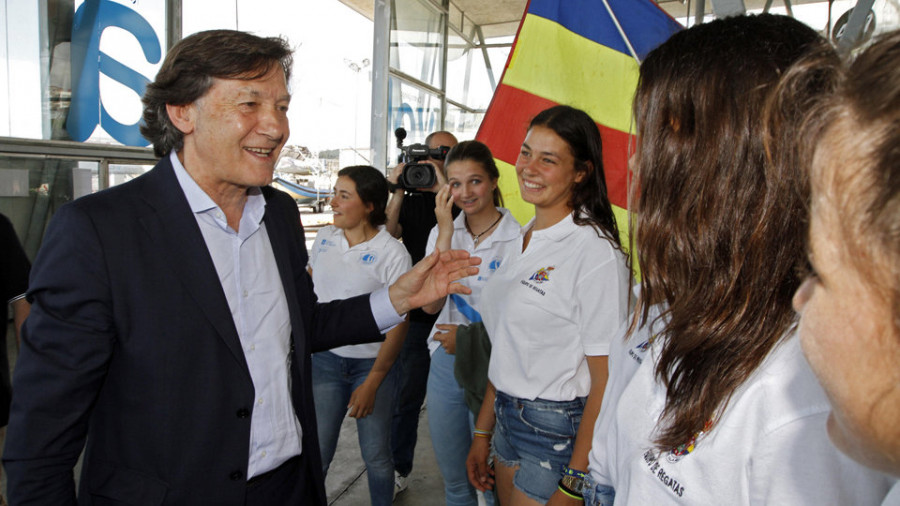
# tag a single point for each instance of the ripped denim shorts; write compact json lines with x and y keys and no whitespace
{"x":537,"y":436}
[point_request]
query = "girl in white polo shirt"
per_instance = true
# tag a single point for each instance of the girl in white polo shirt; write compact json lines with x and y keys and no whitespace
{"x":354,"y":256}
{"x":490,"y":232}
{"x":710,"y":400}
{"x":551,"y":311}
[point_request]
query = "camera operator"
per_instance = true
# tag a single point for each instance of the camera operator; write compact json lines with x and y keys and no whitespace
{"x":410,"y":216}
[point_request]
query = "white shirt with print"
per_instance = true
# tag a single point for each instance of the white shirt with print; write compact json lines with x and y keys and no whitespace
{"x":549,"y":307}
{"x":339,"y":272}
{"x":503,"y":242}
{"x":770,"y":445}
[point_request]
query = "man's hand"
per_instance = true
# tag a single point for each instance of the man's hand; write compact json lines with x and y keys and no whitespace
{"x":433,"y":278}
{"x":441,"y":180}
{"x":394,"y":175}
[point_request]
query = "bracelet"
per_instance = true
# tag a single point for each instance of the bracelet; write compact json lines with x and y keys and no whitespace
{"x":570,"y":493}
{"x":568,"y":471}
{"x":483,"y":433}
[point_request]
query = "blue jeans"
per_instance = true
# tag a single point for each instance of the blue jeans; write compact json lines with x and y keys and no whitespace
{"x":450,"y":423}
{"x":412,"y":365}
{"x":334,"y":380}
{"x":596,"y":494}
{"x":538,"y":437}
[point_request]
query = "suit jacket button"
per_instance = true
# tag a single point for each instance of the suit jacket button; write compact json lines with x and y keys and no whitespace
{"x":243,"y":413}
{"x":237,"y":475}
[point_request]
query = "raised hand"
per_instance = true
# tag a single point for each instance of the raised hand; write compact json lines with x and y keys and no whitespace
{"x":432,"y":278}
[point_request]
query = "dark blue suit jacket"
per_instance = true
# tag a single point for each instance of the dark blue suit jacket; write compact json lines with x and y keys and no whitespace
{"x":130,"y":343}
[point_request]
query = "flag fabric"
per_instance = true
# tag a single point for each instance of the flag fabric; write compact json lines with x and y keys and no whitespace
{"x":581,"y":53}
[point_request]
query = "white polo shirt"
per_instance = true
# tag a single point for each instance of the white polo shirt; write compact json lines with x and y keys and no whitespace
{"x":548,"y":307}
{"x":504,"y":241}
{"x":339,"y":272}
{"x":769,"y":446}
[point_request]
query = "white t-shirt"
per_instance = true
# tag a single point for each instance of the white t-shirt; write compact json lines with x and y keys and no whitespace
{"x":548,"y":307}
{"x":769,"y":447}
{"x":503,"y":242}
{"x":339,"y":272}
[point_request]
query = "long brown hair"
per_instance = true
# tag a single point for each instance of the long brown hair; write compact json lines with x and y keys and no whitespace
{"x":719,"y":220}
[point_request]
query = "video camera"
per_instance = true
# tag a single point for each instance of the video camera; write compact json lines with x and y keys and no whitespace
{"x":417,"y":173}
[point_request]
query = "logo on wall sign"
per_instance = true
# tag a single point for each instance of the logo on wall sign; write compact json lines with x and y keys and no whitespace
{"x":88,"y":62}
{"x":367,"y":258}
{"x":541,"y":275}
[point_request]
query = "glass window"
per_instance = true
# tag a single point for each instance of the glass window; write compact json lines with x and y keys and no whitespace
{"x":464,"y":124}
{"x":415,"y":109}
{"x":32,"y":189}
{"x":122,"y":173}
{"x":75,"y":78}
{"x":417,"y":40}
{"x":468,"y":81}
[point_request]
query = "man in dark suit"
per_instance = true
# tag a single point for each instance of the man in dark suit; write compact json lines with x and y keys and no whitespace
{"x":173,"y":318}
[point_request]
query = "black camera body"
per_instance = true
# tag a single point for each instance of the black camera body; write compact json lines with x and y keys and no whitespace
{"x":417,"y":172}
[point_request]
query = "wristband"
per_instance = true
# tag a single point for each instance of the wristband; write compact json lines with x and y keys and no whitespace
{"x":572,"y":481}
{"x":568,"y":471}
{"x":483,"y":433}
{"x":393,"y":187}
{"x":570,"y":493}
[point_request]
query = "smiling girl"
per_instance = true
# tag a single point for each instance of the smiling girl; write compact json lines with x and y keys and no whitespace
{"x":485,"y":230}
{"x":551,"y":311}
{"x":354,"y":256}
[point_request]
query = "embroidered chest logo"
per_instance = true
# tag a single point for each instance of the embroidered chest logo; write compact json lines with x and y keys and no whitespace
{"x":651,"y":459}
{"x":367,"y":258}
{"x":542,"y":275}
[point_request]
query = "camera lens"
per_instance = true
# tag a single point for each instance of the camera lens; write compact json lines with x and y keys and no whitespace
{"x":419,"y":175}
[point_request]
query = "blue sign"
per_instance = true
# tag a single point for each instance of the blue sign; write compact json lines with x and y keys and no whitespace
{"x":88,"y":62}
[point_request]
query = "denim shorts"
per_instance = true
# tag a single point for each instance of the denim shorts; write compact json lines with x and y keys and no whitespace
{"x":596,"y":494}
{"x":537,"y":437}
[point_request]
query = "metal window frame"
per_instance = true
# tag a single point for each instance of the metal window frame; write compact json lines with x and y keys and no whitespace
{"x":382,"y":71}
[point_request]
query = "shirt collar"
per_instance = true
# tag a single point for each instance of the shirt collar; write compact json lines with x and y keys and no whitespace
{"x":201,"y":202}
{"x":377,"y":242}
{"x":556,"y":232}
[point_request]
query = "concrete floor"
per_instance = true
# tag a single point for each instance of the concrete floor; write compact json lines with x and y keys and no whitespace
{"x":346,"y":483}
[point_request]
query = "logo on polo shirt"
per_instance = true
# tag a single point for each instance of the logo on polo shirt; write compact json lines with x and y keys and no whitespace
{"x":542,"y":274}
{"x":638,"y":352}
{"x":367,"y":258}
{"x":495,"y":264}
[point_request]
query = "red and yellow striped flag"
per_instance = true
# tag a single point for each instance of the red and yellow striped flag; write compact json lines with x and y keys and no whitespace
{"x":582,"y":53}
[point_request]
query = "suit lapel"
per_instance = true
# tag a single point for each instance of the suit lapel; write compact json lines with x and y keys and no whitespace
{"x":279,"y":238}
{"x":174,"y":227}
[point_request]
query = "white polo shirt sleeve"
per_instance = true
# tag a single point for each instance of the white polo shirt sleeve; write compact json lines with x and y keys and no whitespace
{"x":601,"y":315}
